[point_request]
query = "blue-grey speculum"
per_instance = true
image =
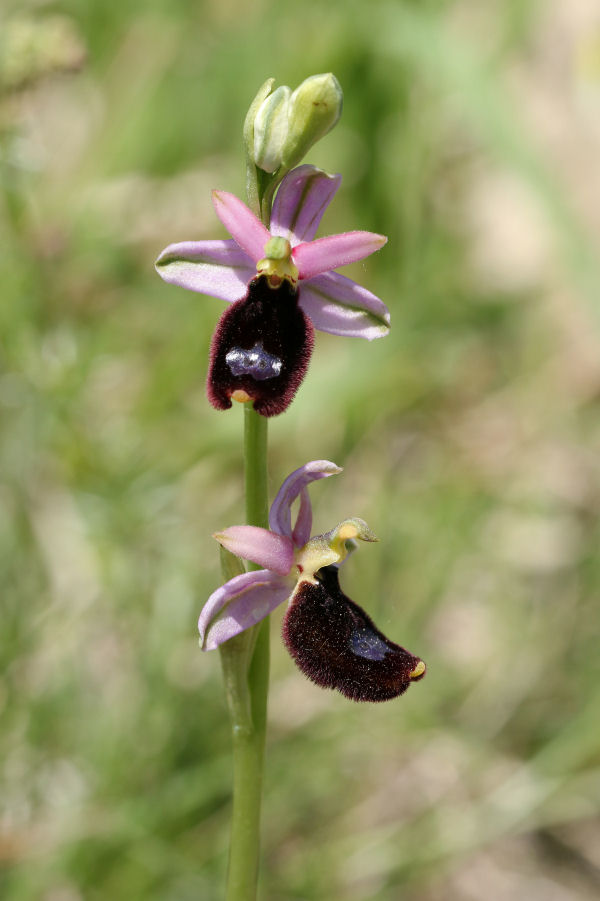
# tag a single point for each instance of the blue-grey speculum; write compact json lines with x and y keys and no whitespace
{"x":368,"y":644}
{"x":256,"y":362}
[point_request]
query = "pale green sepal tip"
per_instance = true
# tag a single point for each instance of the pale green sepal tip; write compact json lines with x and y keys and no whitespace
{"x":231,"y":565}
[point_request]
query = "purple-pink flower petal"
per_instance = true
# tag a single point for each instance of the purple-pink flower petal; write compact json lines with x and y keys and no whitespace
{"x":241,"y":223}
{"x":268,"y":549}
{"x":218,"y":268}
{"x":303,"y":526}
{"x":302,"y":198}
{"x":340,"y":306}
{"x":239,"y":604}
{"x":324,"y":254}
{"x":280,"y":515}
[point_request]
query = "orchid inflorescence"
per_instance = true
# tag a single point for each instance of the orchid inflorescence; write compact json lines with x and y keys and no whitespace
{"x":281,"y":283}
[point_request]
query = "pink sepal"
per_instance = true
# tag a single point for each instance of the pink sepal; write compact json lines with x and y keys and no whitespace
{"x":268,"y":549}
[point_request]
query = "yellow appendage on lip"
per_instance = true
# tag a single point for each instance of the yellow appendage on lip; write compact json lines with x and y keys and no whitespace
{"x":418,"y":670}
{"x":241,"y":396}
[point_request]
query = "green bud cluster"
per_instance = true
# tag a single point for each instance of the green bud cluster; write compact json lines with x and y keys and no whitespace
{"x":282,"y":125}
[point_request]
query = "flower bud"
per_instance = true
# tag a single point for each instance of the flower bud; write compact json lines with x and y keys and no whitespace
{"x":263,"y":92}
{"x":313,"y":109}
{"x":271,"y":128}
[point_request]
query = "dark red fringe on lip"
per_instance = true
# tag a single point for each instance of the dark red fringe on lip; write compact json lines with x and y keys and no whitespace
{"x":337,"y":645}
{"x":271,"y":317}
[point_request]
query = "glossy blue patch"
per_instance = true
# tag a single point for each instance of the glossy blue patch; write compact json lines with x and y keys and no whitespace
{"x":368,"y":644}
{"x":256,"y":362}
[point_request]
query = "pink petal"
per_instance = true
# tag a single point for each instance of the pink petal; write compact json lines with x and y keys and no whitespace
{"x":302,"y":198}
{"x":239,"y":604}
{"x":218,"y":268}
{"x":336,"y":250}
{"x":303,"y":526}
{"x":340,"y":306}
{"x":242,"y":224}
{"x":280,"y":515}
{"x":268,"y":549}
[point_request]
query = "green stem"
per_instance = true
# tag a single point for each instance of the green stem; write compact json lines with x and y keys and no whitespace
{"x":248,"y":753}
{"x":245,"y":661}
{"x":255,"y":454}
{"x":257,"y":514}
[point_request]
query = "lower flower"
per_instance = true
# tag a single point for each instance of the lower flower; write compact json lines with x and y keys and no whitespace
{"x":332,"y":640}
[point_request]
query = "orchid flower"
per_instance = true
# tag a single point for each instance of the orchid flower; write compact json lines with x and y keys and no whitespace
{"x":331,"y":638}
{"x":280,"y":284}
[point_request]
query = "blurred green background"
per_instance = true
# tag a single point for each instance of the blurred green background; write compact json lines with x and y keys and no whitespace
{"x":469,"y":438}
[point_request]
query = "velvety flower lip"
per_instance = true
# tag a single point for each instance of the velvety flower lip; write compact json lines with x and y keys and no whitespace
{"x":261,"y":349}
{"x":336,"y":645}
{"x":222,"y":269}
{"x":332,"y":640}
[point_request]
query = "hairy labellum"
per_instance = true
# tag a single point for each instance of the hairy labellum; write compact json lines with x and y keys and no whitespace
{"x":261,"y":347}
{"x":337,"y":645}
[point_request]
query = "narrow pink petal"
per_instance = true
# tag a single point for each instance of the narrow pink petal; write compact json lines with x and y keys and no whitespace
{"x":280,"y":515}
{"x":303,"y":526}
{"x":336,"y":250}
{"x":302,"y":198}
{"x":339,"y":306}
{"x":241,"y":223}
{"x":239,"y":604}
{"x":218,"y":268}
{"x":268,"y":549}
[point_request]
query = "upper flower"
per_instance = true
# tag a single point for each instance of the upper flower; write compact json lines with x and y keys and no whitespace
{"x":332,"y":640}
{"x":280,"y":277}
